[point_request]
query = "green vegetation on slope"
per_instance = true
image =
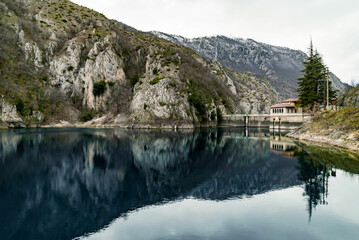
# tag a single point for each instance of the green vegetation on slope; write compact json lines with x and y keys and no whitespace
{"x":345,"y":120}
{"x":20,"y":83}
{"x":339,"y":128}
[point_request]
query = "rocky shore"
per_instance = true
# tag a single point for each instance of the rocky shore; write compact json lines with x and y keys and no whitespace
{"x":337,"y":128}
{"x":343,"y":141}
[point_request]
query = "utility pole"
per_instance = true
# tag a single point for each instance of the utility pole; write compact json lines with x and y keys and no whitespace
{"x":327,"y":87}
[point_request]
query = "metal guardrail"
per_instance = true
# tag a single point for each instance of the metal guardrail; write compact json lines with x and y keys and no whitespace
{"x":246,"y":115}
{"x":239,"y":115}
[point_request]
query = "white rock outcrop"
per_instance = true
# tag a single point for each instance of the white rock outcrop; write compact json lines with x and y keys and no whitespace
{"x":9,"y":115}
{"x":101,"y":64}
{"x":31,"y":50}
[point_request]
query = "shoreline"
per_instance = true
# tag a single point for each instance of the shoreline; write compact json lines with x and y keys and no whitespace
{"x":322,"y":141}
{"x":109,"y":126}
{"x":343,"y":141}
{"x":336,"y":128}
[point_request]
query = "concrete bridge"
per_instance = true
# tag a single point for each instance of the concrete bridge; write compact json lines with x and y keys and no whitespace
{"x":246,"y":120}
{"x":275,"y":121}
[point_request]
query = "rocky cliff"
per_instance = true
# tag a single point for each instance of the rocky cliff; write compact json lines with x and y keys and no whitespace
{"x":350,"y":98}
{"x":63,"y":63}
{"x":280,"y":65}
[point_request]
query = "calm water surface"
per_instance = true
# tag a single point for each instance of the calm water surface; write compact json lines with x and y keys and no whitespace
{"x":203,"y":184}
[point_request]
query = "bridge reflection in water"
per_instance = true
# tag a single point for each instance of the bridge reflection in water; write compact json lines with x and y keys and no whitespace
{"x":61,"y":184}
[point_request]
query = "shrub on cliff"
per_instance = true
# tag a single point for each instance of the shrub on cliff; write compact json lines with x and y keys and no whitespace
{"x":196,"y":101}
{"x":20,"y":106}
{"x":99,"y":88}
{"x":155,"y":80}
{"x":87,"y":115}
{"x":134,"y":79}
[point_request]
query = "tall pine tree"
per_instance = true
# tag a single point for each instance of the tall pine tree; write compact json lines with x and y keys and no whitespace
{"x":312,"y":85}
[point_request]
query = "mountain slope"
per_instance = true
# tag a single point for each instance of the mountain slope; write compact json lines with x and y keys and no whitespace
{"x":281,"y":65}
{"x":63,"y":62}
{"x":350,"y":98}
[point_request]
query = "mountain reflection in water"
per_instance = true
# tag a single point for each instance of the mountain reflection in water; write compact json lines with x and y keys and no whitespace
{"x":62,"y":184}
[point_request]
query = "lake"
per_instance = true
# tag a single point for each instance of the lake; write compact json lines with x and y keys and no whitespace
{"x":161,"y":184}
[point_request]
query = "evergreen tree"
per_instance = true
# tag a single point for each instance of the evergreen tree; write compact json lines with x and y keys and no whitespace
{"x":312,"y":85}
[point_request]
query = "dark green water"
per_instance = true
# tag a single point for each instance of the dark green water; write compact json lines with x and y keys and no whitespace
{"x":203,"y":184}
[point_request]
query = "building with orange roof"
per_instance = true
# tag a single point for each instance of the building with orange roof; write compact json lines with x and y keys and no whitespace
{"x":288,"y":106}
{"x":287,"y":115}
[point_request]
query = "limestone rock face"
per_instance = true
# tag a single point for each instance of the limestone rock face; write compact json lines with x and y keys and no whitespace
{"x":31,"y":50}
{"x":350,"y":98}
{"x":160,"y":101}
{"x":9,"y":115}
{"x":253,"y":94}
{"x":101,"y":64}
{"x":107,"y":66}
{"x":156,"y":98}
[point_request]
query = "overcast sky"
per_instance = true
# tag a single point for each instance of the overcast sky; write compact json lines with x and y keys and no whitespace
{"x":332,"y":24}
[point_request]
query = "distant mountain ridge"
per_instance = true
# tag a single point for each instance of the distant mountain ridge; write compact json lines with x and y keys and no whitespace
{"x":280,"y":65}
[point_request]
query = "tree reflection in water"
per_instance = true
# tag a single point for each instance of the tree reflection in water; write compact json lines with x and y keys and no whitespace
{"x":316,"y":164}
{"x":315,"y":179}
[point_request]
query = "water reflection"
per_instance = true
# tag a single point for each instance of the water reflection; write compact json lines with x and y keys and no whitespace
{"x":61,"y":184}
{"x":315,"y":178}
{"x":316,"y":166}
